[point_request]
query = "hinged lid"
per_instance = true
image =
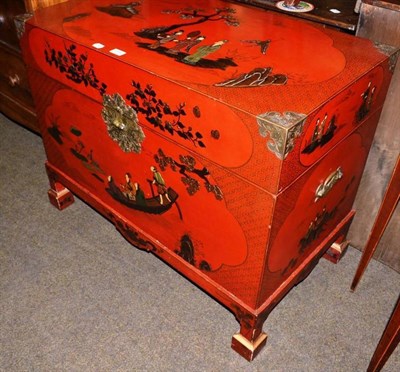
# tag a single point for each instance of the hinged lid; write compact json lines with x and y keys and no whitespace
{"x":254,"y":60}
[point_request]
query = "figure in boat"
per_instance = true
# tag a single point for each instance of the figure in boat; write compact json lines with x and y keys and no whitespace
{"x":131,"y":194}
{"x":158,"y":180}
{"x":133,"y":191}
{"x":140,"y":197}
{"x":129,"y":190}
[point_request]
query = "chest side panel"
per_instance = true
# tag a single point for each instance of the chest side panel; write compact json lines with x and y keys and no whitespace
{"x":311,"y":207}
{"x":336,"y":119}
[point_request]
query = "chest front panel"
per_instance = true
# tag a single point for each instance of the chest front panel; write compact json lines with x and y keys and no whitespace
{"x":178,"y":198}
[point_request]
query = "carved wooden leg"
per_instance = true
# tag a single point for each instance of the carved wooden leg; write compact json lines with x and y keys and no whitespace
{"x":59,"y":195}
{"x":251,"y":339}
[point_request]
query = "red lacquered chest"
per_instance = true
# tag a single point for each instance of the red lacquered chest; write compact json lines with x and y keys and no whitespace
{"x":228,"y":141}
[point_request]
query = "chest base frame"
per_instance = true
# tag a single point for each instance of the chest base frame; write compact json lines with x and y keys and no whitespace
{"x":250,"y":340}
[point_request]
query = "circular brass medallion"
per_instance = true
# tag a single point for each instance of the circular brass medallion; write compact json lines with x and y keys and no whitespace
{"x":122,"y":123}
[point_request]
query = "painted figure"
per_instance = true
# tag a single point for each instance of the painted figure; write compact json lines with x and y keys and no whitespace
{"x":321,"y":130}
{"x":129,"y":189}
{"x":315,"y":228}
{"x":111,"y":185}
{"x":165,"y":38}
{"x":204,"y":51}
{"x":140,"y":197}
{"x":367,"y":98}
{"x":158,"y":180}
{"x":370,"y":99}
{"x":188,"y":43}
{"x":314,"y":137}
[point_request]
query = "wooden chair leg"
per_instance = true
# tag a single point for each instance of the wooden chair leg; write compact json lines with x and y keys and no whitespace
{"x":388,"y":342}
{"x":386,"y":210}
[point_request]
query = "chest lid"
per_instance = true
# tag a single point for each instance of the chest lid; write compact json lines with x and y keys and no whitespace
{"x":223,"y":76}
{"x":254,"y":60}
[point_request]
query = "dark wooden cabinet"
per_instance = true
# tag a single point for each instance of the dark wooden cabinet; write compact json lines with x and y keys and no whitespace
{"x":334,"y":13}
{"x":15,"y":97}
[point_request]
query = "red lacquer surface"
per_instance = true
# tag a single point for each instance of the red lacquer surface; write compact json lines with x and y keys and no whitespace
{"x":307,"y":55}
{"x":196,"y":220}
{"x":220,"y":229}
{"x":239,"y":145}
{"x":336,"y":119}
{"x":308,"y":206}
{"x":303,"y":217}
{"x":238,"y":213}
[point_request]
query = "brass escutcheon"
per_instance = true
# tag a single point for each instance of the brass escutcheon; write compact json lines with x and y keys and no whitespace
{"x":122,"y":123}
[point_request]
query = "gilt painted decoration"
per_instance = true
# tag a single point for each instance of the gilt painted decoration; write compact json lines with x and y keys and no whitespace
{"x":131,"y":194}
{"x":163,"y":186}
{"x":166,"y":117}
{"x":191,"y":175}
{"x":255,"y":78}
{"x":323,"y":132}
{"x":367,"y":98}
{"x":74,"y":65}
{"x":184,"y":37}
{"x":187,"y":250}
{"x":339,"y":116}
{"x":120,"y":10}
{"x":315,"y":228}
